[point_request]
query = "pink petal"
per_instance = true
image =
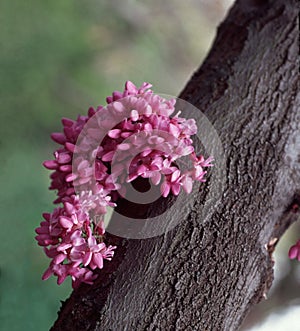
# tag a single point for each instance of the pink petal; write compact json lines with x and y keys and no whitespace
{"x":134,"y":115}
{"x":66,"y":168}
{"x":83,"y":165}
{"x":76,"y":234}
{"x":92,"y":241}
{"x":101,"y":246}
{"x":184,"y":150}
{"x":115,"y":133}
{"x":175,"y":175}
{"x":55,"y":232}
{"x":187,"y":184}
{"x":47,"y":274}
{"x":124,"y":147}
{"x":67,"y":122}
{"x":62,"y":247}
{"x":126,"y":134}
{"x":70,"y":147}
{"x":58,"y":137}
{"x":76,"y":256}
{"x":109,"y":99}
{"x":174,"y":130}
{"x":207,"y":162}
{"x":293,"y":252}
{"x":165,"y":189}
{"x":132,"y":177}
{"x":50,"y":164}
{"x":61,"y":279}
{"x":108,"y":156}
{"x":59,"y":258}
{"x":148,"y":127}
{"x":129,"y":86}
{"x":198,"y":171}
{"x":118,"y":106}
{"x":70,"y":209}
{"x":148,"y":111}
{"x":98,"y":260}
{"x":176,"y":189}
{"x":82,"y":181}
{"x":64,"y":158}
{"x":117,"y":95}
{"x":91,"y":112}
{"x":65,"y":222}
{"x":142,"y":169}
{"x":42,"y":230}
{"x":167,"y":171}
{"x":52,"y":252}
{"x":146,"y":152}
{"x":42,"y":237}
{"x":47,"y":216}
{"x":155,"y":178}
{"x":87,"y":258}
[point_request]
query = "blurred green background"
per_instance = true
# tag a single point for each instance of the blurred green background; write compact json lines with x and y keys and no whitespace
{"x":58,"y":58}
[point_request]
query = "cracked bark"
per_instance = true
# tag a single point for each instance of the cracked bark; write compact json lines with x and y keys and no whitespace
{"x":207,"y":272}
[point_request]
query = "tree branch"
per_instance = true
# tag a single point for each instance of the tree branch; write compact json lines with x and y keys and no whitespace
{"x":207,"y":272}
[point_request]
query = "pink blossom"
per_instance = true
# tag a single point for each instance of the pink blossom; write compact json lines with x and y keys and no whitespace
{"x":91,"y":253}
{"x":73,"y":234}
{"x":172,"y":183}
{"x":83,"y":275}
{"x":294,"y":252}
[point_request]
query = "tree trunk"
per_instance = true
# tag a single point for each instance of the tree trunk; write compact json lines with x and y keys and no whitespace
{"x":208,"y":271}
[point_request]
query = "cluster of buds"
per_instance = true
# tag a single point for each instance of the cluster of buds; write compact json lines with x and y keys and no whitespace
{"x":133,"y":136}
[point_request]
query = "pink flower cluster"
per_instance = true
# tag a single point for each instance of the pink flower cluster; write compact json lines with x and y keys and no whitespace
{"x":133,"y":136}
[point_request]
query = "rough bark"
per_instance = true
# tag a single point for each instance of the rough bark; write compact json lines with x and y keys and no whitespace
{"x":207,"y":272}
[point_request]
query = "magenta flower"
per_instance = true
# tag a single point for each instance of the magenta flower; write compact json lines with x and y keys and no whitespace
{"x":91,"y":253}
{"x":145,"y":142}
{"x":172,"y":183}
{"x":294,"y":252}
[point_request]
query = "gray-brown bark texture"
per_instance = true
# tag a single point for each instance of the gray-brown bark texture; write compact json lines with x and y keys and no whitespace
{"x":208,"y":271}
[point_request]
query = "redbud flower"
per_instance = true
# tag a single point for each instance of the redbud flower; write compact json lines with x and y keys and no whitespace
{"x":294,"y":252}
{"x":146,"y":142}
